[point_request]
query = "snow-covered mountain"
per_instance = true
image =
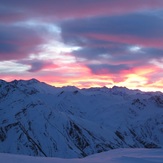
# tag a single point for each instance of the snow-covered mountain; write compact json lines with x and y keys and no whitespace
{"x":40,"y":120}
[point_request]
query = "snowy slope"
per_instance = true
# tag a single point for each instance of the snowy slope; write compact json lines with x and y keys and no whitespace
{"x":40,"y":120}
{"x":114,"y":156}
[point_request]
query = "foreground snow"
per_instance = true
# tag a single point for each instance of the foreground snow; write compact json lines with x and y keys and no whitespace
{"x":113,"y":156}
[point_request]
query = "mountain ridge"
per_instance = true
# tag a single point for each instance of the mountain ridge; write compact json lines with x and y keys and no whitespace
{"x":115,"y":87}
{"x":42,"y":120}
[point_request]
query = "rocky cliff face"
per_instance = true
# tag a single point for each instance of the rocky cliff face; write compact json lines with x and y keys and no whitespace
{"x":41,"y":120}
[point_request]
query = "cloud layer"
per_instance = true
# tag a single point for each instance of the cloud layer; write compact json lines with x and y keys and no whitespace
{"x":83,"y":43}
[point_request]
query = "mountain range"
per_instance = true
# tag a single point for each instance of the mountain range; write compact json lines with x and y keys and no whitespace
{"x":37,"y":119}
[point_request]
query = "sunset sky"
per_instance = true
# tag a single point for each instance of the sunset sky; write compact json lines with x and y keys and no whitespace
{"x":85,"y":43}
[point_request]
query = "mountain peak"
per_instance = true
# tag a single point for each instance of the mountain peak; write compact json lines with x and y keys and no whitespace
{"x":33,"y":80}
{"x":30,"y":81}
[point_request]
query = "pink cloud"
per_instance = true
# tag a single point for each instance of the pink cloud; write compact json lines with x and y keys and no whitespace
{"x":127,"y":39}
{"x":138,"y":77}
{"x":72,"y":9}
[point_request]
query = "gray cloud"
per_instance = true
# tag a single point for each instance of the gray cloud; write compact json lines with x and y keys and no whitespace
{"x":107,"y":68}
{"x":36,"y":65}
{"x":18,"y":42}
{"x":144,"y":26}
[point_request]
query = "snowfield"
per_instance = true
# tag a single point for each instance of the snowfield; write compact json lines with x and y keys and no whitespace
{"x":113,"y":156}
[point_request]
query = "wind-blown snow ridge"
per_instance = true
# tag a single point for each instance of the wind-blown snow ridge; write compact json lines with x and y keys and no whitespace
{"x":41,"y":120}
